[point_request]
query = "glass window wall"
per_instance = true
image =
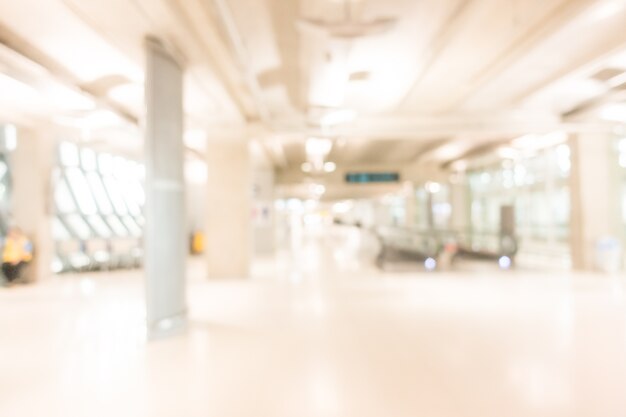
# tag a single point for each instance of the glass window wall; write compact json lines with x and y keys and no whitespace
{"x":537,"y":185}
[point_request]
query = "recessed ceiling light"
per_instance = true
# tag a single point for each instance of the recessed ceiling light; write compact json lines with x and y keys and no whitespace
{"x":316,"y":147}
{"x":330,"y":167}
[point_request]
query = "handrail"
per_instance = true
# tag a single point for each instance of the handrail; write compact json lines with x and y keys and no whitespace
{"x":426,"y":240}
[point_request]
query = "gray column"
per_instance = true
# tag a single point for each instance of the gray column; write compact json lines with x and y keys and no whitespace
{"x":229,"y":192}
{"x":594,"y":196}
{"x":165,"y":233}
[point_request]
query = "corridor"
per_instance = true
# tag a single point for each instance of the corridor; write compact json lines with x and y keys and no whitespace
{"x":339,"y":339}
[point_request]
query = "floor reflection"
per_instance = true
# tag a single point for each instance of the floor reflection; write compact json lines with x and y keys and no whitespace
{"x":319,"y":331}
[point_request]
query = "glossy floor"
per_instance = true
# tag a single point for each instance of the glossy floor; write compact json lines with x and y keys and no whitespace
{"x":320,"y":333}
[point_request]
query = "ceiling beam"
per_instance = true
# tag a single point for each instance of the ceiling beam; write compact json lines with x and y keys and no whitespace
{"x":58,"y":72}
{"x":449,"y":30}
{"x":240,"y":51}
{"x":615,"y":41}
{"x":187,"y":26}
{"x":428,"y":128}
{"x":545,"y":28}
{"x":616,"y":95}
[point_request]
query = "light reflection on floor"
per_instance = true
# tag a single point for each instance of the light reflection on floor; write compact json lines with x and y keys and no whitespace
{"x":320,"y":332}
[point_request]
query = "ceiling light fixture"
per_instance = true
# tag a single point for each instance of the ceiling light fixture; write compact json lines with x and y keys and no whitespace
{"x":316,"y":147}
{"x":507,"y":152}
{"x":433,"y":187}
{"x":330,"y":167}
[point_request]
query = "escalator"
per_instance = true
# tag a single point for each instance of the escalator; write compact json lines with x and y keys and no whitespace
{"x":401,"y":246}
{"x":439,"y":249}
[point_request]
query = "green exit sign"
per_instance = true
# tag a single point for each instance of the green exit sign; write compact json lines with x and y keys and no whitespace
{"x":371,"y":177}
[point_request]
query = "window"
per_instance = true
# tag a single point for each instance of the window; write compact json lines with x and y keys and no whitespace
{"x":63,"y":198}
{"x":100,"y":194}
{"x":88,"y":159}
{"x":59,"y":231}
{"x":537,"y":186}
{"x":99,"y":226}
{"x":138,"y":191}
{"x":79,"y":226}
{"x":81,"y":191}
{"x":114,"y":192}
{"x":132,"y":226}
{"x":117,"y":226}
{"x":3,"y":170}
{"x":69,"y":154}
{"x":105,"y":164}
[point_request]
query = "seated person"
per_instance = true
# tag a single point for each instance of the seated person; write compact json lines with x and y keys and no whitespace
{"x":16,"y":254}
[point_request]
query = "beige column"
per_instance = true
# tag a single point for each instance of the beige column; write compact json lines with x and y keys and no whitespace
{"x":410,"y":205}
{"x":263,"y":211}
{"x":31,"y":167}
{"x":460,"y":204}
{"x":594,"y":196}
{"x":229,"y":195}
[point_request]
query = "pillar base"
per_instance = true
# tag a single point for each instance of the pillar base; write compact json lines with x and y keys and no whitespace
{"x":167,"y":327}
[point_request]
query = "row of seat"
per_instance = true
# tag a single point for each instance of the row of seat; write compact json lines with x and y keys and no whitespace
{"x":97,"y":254}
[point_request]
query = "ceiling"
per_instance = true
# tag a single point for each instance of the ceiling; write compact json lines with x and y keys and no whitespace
{"x":413,"y":74}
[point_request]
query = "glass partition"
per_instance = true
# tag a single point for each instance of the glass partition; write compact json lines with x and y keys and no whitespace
{"x":537,"y":185}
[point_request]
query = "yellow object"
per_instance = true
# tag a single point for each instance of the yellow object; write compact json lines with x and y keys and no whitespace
{"x":197,"y":243}
{"x":16,"y":250}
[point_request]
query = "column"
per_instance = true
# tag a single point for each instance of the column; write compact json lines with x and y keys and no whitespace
{"x":594,"y":196}
{"x":31,"y":167}
{"x":410,"y":206}
{"x":165,"y":230}
{"x":263,"y":211}
{"x":460,"y":204}
{"x":229,"y":192}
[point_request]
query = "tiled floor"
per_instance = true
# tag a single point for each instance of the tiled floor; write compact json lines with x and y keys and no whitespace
{"x":320,"y":335}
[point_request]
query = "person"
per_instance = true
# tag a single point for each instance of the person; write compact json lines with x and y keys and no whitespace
{"x":16,"y":254}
